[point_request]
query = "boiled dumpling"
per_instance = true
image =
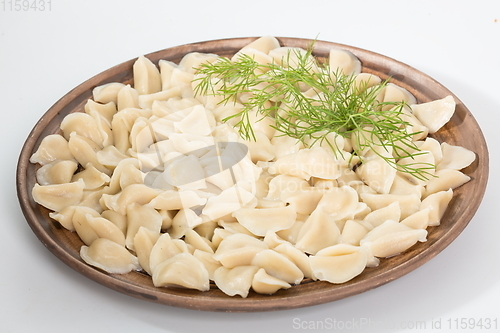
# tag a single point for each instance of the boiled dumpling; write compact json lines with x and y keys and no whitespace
{"x":229,"y":201}
{"x":259,"y":221}
{"x":436,"y":113}
{"x":396,"y":94}
{"x":52,"y":148}
{"x":147,"y":78}
{"x":418,"y":220}
{"x":135,"y":193}
{"x":105,"y":229}
{"x":446,"y":179}
{"x":238,"y":250}
{"x":182,"y":270}
{"x":65,"y":217}
{"x":141,"y":216}
{"x":319,"y":231}
{"x":437,"y":203}
{"x":208,"y":261}
{"x":376,"y":172}
{"x":307,"y":163}
{"x":235,"y":281}
{"x":409,"y":203}
{"x":298,"y":257}
{"x":144,"y":240}
{"x":82,"y":124}
{"x":264,"y":283}
{"x":455,"y":157}
{"x":391,"y":238}
{"x":107,"y":92}
{"x":338,"y":263}
{"x":80,"y":220}
{"x":344,"y":62}
{"x":197,"y":241}
{"x":264,"y":44}
{"x":279,"y":266}
{"x":92,"y":177}
{"x":379,"y":216}
{"x":85,"y":150}
{"x":56,"y":172}
{"x":340,"y":202}
{"x":197,"y":121}
{"x":175,"y":200}
{"x":58,"y":196}
{"x":163,"y":249}
{"x":353,"y":232}
{"x":109,"y":256}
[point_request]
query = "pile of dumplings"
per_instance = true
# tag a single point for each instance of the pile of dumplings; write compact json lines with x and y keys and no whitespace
{"x":152,"y":179}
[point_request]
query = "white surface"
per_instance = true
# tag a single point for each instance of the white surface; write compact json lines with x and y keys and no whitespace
{"x":43,"y":55}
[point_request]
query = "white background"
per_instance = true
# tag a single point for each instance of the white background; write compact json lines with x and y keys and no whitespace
{"x":43,"y":55}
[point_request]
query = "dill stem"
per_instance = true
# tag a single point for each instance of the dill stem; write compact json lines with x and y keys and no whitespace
{"x":309,"y":101}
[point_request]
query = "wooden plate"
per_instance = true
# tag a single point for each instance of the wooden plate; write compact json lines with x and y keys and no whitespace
{"x":462,"y":130}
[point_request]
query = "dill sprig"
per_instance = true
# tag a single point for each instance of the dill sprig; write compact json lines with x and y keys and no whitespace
{"x":308,"y":101}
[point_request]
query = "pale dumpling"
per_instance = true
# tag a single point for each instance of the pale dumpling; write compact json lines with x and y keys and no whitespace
{"x":394,"y":94}
{"x":197,"y":241}
{"x":109,"y":256}
{"x":264,"y":283}
{"x":105,"y":229}
{"x":235,"y":281}
{"x":85,"y":150}
{"x":238,"y":250}
{"x":58,"y":196}
{"x":353,"y":232}
{"x":65,"y":217}
{"x":298,"y":257}
{"x":176,"y":200}
{"x":147,"y":79}
{"x":163,"y":249}
{"x":338,"y":263}
{"x":141,"y":216}
{"x":376,"y":172}
{"x":446,"y":179}
{"x":107,"y":92}
{"x":56,"y":172}
{"x":259,"y":221}
{"x":92,"y":177}
{"x":409,"y":203}
{"x":391,"y":238}
{"x":82,"y":124}
{"x":319,"y":231}
{"x":340,"y":202}
{"x":307,"y":163}
{"x":135,"y":193}
{"x":436,"y":113}
{"x":80,"y":220}
{"x":144,"y":240}
{"x":437,"y":203}
{"x":182,"y":270}
{"x":455,"y":157}
{"x":52,"y":148}
{"x":379,"y":216}
{"x":208,"y":261}
{"x":229,"y":201}
{"x":279,"y":266}
{"x":264,"y":44}
{"x":344,"y":62}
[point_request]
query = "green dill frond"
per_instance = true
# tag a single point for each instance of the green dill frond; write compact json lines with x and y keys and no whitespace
{"x":308,"y":101}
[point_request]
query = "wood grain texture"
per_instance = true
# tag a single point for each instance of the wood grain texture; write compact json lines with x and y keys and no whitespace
{"x":462,"y":130}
